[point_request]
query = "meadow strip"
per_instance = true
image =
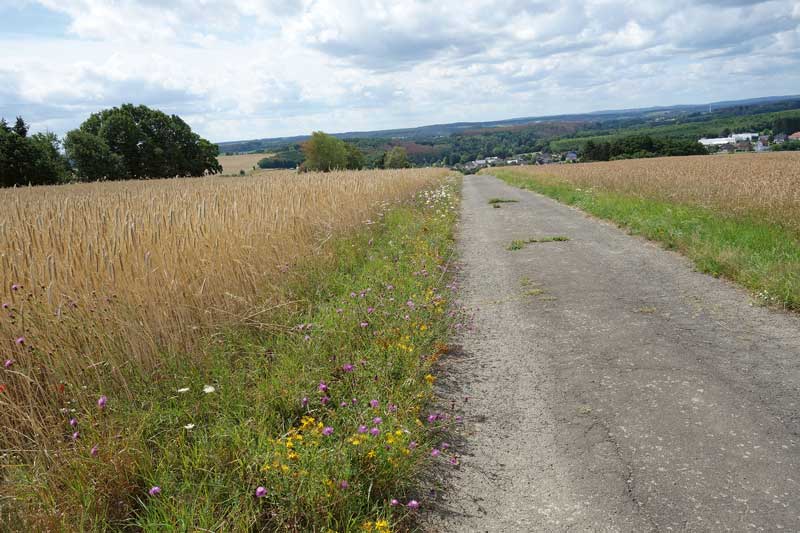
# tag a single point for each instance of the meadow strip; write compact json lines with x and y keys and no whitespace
{"x":742,"y":241}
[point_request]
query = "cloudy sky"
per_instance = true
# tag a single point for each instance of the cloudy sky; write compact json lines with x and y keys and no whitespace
{"x":237,"y":69}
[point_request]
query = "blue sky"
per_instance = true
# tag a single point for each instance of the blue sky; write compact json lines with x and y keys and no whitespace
{"x":238,"y":69}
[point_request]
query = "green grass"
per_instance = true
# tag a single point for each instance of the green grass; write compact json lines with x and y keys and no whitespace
{"x":519,"y":244}
{"x":378,"y":302}
{"x":495,"y":201}
{"x":763,"y":257}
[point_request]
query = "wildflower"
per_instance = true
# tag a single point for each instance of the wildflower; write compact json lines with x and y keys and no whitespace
{"x":261,"y":492}
{"x":364,"y":324}
{"x":377,"y":420}
{"x":20,"y":341}
{"x":323,"y":387}
{"x":154,"y":491}
{"x":362,"y":429}
{"x":344,"y":485}
{"x":73,"y":422}
{"x":374,"y":404}
{"x":394,"y":502}
{"x":102,"y":401}
{"x":327,"y":431}
{"x":15,"y":287}
{"x":445,"y":445}
{"x":189,"y":426}
{"x":304,"y":402}
{"x":432,"y":418}
{"x":348,"y":367}
{"x":374,"y":432}
{"x":8,"y":363}
{"x":324,"y":400}
{"x":392,"y":408}
{"x":412,"y":445}
{"x":413,"y":504}
{"x":410,"y":304}
{"x":343,"y":404}
{"x":453,"y":460}
{"x":390,"y":287}
{"x":208,"y":389}
{"x":94,"y":451}
{"x":430,"y":379}
{"x":184,"y":389}
{"x":76,"y":435}
{"x":370,"y":310}
{"x":5,"y":306}
{"x":354,"y":401}
{"x":435,"y":452}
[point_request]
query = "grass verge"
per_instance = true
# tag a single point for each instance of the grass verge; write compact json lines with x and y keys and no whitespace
{"x":759,"y":255}
{"x":313,"y":422}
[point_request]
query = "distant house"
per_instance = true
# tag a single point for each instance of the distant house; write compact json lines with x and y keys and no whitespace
{"x":795,"y":136}
{"x":480,"y":162}
{"x":544,"y":159}
{"x":717,"y":141}
{"x":762,"y":146}
{"x":780,"y":138}
{"x":728,"y":148}
{"x":744,"y":146}
{"x":512,"y":162}
{"x":744,"y":136}
{"x":571,"y":157}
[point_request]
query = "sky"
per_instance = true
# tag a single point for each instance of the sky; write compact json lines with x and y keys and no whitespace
{"x":241,"y":69}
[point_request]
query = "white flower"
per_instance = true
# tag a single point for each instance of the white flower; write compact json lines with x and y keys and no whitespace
{"x":188,"y":426}
{"x":185,"y":389}
{"x":208,"y":389}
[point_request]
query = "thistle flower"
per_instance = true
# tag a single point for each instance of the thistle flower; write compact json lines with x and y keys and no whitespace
{"x":261,"y":492}
{"x":370,"y":310}
{"x":435,"y":452}
{"x":343,"y":404}
{"x":364,"y":324}
{"x":323,"y":387}
{"x":20,"y":341}
{"x":453,"y":460}
{"x":394,"y":502}
{"x":102,"y":401}
{"x":374,"y":432}
{"x":324,"y":400}
{"x":304,"y":401}
{"x":412,"y":445}
{"x":377,"y":420}
{"x":76,"y":435}
{"x":94,"y":451}
{"x":344,"y":485}
{"x":154,"y":491}
{"x":392,"y":408}
{"x":327,"y":431}
{"x":413,"y":504}
{"x":348,"y":367}
{"x":73,"y":422}
{"x":8,"y":363}
{"x":432,"y":418}
{"x":374,"y":404}
{"x":15,"y":287}
{"x":362,"y":429}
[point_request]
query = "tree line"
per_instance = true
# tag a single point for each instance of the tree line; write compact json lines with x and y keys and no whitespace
{"x":126,"y":142}
{"x":638,"y":146}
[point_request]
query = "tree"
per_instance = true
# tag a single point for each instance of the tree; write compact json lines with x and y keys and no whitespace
{"x":355,"y":157}
{"x":397,"y":157}
{"x":324,"y":152}
{"x":29,"y":159}
{"x":131,"y":142}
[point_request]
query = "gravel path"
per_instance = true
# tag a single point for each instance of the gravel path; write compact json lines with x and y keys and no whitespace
{"x":612,"y":388}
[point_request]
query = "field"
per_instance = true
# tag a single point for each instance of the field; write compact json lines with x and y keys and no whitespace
{"x":142,"y":323}
{"x":233,"y":164}
{"x":737,"y":216}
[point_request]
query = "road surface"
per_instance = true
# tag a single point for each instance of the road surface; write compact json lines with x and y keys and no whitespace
{"x":611,"y":387}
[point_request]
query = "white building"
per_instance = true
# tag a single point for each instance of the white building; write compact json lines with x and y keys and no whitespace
{"x":733,"y":139}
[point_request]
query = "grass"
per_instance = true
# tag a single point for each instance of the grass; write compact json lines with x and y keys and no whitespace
{"x":345,"y":303}
{"x":519,"y":244}
{"x":739,"y":244}
{"x":495,"y":201}
{"x":233,"y":165}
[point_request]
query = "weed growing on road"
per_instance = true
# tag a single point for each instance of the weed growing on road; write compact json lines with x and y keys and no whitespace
{"x":496,"y":201}
{"x":519,"y":244}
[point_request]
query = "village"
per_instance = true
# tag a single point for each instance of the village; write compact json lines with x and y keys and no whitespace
{"x":746,"y":142}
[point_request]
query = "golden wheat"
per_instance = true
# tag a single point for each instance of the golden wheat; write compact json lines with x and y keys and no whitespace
{"x":764,"y":185}
{"x":101,"y":281}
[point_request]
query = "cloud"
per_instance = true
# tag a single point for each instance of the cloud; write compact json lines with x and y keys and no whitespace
{"x":256,"y":68}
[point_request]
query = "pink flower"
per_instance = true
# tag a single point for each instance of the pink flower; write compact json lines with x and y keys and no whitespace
{"x":327,"y":431}
{"x":94,"y":451}
{"x":412,"y":445}
{"x":453,"y":460}
{"x":374,"y":404}
{"x":20,"y":341}
{"x":8,"y":363}
{"x":413,"y":504}
{"x":435,"y":452}
{"x":73,"y":422}
{"x":364,"y":324}
{"x":362,"y":429}
{"x":370,"y":309}
{"x":348,"y":367}
{"x":324,"y":400}
{"x":432,"y":418}
{"x":394,"y":502}
{"x":76,"y":435}
{"x":6,"y":306}
{"x":392,"y":408}
{"x":377,"y":420}
{"x":374,"y":432}
{"x":343,"y":404}
{"x":445,"y":446}
{"x":102,"y":401}
{"x":15,"y":287}
{"x":323,"y":387}
{"x":344,"y":485}
{"x":304,"y":401}
{"x":154,"y":491}
{"x":261,"y":492}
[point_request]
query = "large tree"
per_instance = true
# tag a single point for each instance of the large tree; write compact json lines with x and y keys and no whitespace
{"x":397,"y":157}
{"x":29,"y":159}
{"x":130,"y":142}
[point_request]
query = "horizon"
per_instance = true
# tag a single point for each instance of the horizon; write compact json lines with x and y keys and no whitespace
{"x":348,"y":67}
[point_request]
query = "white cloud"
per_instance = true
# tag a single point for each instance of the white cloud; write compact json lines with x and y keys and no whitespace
{"x":255,"y":68}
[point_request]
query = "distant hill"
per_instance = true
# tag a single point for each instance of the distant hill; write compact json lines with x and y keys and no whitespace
{"x":618,"y":117}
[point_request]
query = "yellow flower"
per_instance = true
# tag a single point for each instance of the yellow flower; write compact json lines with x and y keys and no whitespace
{"x":382,"y":526}
{"x":423,"y":327}
{"x":430,"y":379}
{"x":355,"y":441}
{"x":293,"y":455}
{"x":306,"y":422}
{"x":371,"y":454}
{"x":366,"y":526}
{"x":398,"y":433}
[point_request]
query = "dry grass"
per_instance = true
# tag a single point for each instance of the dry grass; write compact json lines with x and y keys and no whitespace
{"x":764,"y":185}
{"x":232,"y":164}
{"x":102,"y":283}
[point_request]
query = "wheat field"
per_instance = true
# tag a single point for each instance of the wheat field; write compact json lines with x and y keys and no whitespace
{"x":763,"y":185}
{"x":233,"y":164}
{"x":102,"y":283}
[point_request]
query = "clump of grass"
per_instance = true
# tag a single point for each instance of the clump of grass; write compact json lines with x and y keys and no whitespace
{"x":497,"y":201}
{"x":738,"y":241}
{"x":516,"y":244}
{"x":519,"y":244}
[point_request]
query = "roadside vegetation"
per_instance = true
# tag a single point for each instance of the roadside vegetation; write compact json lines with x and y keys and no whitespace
{"x":737,"y":216}
{"x":176,"y":366}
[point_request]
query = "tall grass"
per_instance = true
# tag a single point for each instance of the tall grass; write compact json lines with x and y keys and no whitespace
{"x":102,"y":285}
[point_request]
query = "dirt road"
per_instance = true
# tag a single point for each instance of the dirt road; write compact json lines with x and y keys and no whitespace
{"x":611,"y":387}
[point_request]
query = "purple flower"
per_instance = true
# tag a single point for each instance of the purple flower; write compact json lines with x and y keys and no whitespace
{"x":364,"y":324}
{"x":390,"y":287}
{"x":6,"y":306}
{"x":445,"y":445}
{"x":392,"y":408}
{"x":410,"y":304}
{"x":374,"y":404}
{"x":374,"y":432}
{"x":8,"y":363}
{"x":344,"y":485}
{"x":352,"y":295}
{"x":394,"y":502}
{"x":432,"y":418}
{"x":323,"y":387}
{"x":354,"y":400}
{"x":412,"y":445}
{"x":94,"y":451}
{"x":76,"y":435}
{"x":370,"y":309}
{"x":453,"y":460}
{"x":327,"y":431}
{"x":154,"y":491}
{"x":435,"y":452}
{"x":362,"y":429}
{"x":343,"y":404}
{"x":324,"y":400}
{"x":261,"y":492}
{"x":413,"y":504}
{"x":102,"y":401}
{"x":304,"y":401}
{"x":459,"y":418}
{"x":348,"y":367}
{"x":15,"y":287}
{"x":377,"y":421}
{"x":73,"y":422}
{"x":20,"y":341}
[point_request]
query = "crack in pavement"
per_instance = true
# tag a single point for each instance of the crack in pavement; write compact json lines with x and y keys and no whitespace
{"x":639,"y":396}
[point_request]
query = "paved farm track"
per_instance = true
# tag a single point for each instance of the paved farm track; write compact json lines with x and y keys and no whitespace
{"x":611,"y":387}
